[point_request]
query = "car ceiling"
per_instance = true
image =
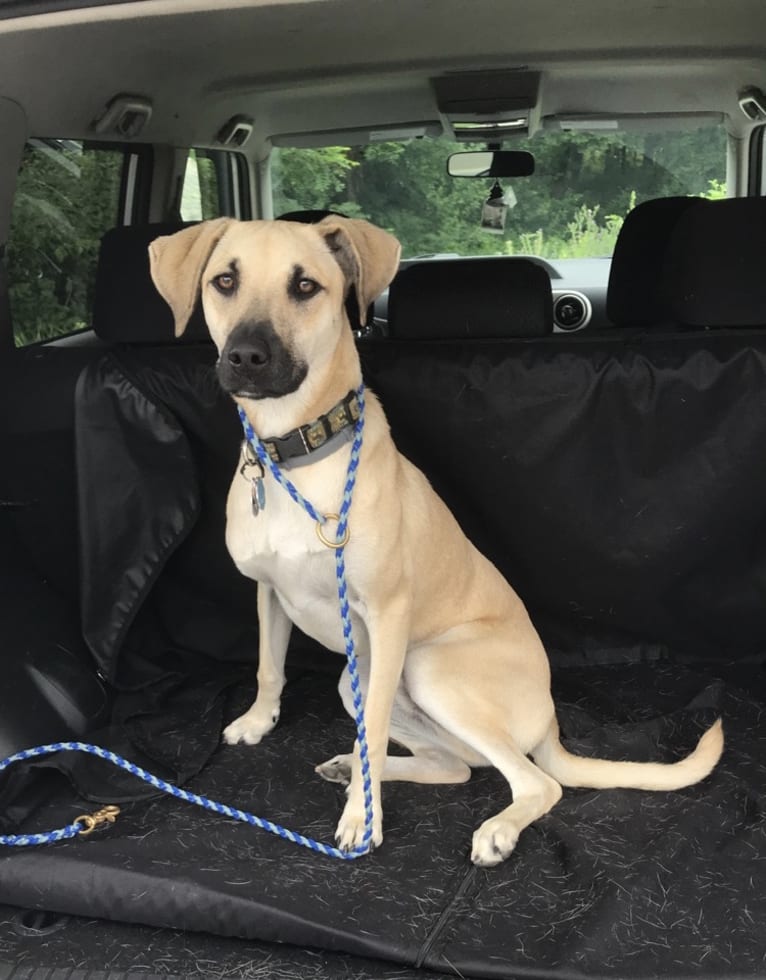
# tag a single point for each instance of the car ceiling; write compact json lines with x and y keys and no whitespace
{"x":303,"y":66}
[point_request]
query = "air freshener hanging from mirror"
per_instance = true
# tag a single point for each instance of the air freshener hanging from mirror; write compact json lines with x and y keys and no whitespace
{"x":495,"y":209}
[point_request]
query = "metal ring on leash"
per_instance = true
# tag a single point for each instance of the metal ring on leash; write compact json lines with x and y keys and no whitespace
{"x":325,"y":540}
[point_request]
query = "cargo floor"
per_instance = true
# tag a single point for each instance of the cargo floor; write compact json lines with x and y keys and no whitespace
{"x":609,"y":884}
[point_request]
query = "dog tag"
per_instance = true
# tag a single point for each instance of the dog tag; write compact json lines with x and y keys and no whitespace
{"x":257,"y":487}
{"x":257,"y":495}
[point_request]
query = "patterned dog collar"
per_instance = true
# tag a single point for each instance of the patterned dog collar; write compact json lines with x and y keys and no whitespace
{"x":313,"y":436}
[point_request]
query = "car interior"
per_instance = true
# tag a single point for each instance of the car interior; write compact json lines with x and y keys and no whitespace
{"x":573,"y":351}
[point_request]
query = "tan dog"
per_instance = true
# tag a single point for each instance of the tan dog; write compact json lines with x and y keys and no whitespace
{"x":451,"y":665}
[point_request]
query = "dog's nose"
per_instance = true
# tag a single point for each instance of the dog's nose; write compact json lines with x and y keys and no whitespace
{"x":252,"y":353}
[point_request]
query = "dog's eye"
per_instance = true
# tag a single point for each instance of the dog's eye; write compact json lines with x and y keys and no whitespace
{"x":301,"y":287}
{"x":225,"y":283}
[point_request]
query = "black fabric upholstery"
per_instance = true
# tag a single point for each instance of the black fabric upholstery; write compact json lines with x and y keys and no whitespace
{"x":126,"y":306}
{"x":715,"y":264}
{"x":636,"y":295}
{"x":471,"y":298}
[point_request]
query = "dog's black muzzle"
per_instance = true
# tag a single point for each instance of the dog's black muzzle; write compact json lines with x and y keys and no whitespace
{"x":255,"y":363}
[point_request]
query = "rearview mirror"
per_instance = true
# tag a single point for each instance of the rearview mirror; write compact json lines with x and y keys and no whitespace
{"x":488,"y":163}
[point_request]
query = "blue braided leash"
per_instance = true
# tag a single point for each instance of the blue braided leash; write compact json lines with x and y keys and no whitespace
{"x":83,"y":825}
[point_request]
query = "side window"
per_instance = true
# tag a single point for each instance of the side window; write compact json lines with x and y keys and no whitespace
{"x":201,"y":196}
{"x":67,"y":196}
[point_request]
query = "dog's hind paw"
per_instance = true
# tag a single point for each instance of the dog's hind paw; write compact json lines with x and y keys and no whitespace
{"x":251,"y":726}
{"x":494,"y":841}
{"x":337,"y":770}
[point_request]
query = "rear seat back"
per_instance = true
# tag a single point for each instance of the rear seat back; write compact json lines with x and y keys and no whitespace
{"x":471,"y":298}
{"x":587,"y":469}
{"x":619,"y":486}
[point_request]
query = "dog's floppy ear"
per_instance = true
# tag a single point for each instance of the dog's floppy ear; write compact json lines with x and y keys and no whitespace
{"x":177,"y":262}
{"x":368,"y":256}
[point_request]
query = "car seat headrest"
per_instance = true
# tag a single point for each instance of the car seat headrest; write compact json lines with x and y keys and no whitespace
{"x":715,"y":265}
{"x":636,"y":295}
{"x":127,"y":307}
{"x":471,"y":298}
{"x":310,"y":216}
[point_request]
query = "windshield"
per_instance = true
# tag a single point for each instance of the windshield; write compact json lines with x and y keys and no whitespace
{"x":571,"y":207}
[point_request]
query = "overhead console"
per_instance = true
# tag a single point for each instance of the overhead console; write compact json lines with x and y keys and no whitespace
{"x":489,"y":105}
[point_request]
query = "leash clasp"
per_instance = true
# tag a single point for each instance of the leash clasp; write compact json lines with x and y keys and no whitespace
{"x":323,"y":537}
{"x":92,"y":821}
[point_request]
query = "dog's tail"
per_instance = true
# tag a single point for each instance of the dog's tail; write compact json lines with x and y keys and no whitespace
{"x":575,"y":770}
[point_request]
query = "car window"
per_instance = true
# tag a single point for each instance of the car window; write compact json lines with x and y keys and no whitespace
{"x":571,"y":207}
{"x":67,"y":196}
{"x":69,"y":193}
{"x":201,"y":193}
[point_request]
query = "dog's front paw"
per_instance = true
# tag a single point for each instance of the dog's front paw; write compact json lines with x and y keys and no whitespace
{"x":351,"y":829}
{"x":251,"y":726}
{"x":337,"y":770}
{"x":494,"y":841}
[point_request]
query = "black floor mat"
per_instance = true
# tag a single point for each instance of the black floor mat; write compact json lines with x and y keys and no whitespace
{"x":48,"y":946}
{"x":609,"y":884}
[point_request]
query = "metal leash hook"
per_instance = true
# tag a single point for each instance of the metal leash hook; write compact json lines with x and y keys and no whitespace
{"x":92,"y":821}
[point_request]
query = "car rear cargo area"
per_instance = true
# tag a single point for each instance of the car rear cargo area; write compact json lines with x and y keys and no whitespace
{"x":619,"y":485}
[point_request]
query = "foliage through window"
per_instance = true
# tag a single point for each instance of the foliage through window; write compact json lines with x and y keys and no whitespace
{"x":200,"y":197}
{"x":571,"y":207}
{"x":67,"y":196}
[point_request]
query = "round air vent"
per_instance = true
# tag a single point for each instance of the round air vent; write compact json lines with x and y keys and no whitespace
{"x":571,"y":311}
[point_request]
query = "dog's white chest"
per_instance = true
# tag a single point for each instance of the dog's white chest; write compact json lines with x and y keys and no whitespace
{"x":280,"y":546}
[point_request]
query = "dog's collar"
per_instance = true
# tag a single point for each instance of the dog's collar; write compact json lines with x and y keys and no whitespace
{"x":323,"y":433}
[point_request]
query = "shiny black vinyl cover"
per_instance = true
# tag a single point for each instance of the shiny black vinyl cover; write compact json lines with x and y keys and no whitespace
{"x":618,"y":485}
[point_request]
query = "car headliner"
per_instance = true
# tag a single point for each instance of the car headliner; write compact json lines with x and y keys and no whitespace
{"x":302,"y":66}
